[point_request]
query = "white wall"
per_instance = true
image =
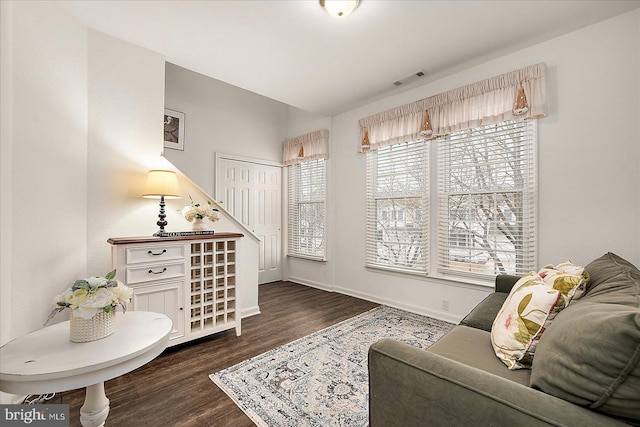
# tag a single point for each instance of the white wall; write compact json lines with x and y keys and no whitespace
{"x":85,"y":120}
{"x":589,"y":181}
{"x":126,"y":97}
{"x":44,"y":161}
{"x":594,"y":114}
{"x":126,"y":105}
{"x":6,"y":166}
{"x":221,"y":118}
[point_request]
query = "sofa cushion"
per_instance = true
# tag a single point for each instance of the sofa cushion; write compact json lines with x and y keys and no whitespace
{"x":505,"y":282}
{"x":483,"y":315}
{"x":612,"y":280}
{"x":472,"y":347}
{"x":590,"y":354}
{"x":521,"y":319}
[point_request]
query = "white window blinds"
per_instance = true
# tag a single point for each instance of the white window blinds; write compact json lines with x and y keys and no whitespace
{"x":306,"y":210}
{"x":397,"y":207}
{"x":486,"y":193}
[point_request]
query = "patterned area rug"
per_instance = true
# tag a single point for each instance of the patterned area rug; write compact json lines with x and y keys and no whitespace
{"x":322,"y":379}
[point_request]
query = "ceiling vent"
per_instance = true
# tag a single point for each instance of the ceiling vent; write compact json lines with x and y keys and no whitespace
{"x":411,"y":78}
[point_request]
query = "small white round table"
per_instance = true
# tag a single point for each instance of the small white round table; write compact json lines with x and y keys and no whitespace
{"x":46,"y":361}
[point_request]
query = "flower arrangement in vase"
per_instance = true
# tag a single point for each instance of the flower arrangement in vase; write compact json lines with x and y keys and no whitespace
{"x":93,"y":303}
{"x":197,"y":213}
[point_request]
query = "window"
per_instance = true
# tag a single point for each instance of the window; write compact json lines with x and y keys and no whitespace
{"x":306,"y":226}
{"x":397,"y":207}
{"x":486,"y":209}
{"x":483,"y":202}
{"x":485,"y":205}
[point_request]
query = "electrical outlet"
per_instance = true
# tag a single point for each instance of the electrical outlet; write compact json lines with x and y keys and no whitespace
{"x":444,"y":304}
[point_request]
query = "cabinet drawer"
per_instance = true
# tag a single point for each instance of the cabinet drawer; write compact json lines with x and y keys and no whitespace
{"x":148,"y":254}
{"x":154,"y":272}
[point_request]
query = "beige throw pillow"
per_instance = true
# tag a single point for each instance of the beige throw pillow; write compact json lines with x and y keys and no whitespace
{"x":522,"y":318}
{"x":534,"y":308}
{"x":570,"y":279}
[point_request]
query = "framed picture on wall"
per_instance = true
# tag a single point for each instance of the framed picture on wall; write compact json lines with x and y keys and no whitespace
{"x":173,"y":129}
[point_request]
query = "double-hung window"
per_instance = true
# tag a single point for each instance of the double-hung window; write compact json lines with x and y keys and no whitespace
{"x":307,"y":210}
{"x":486,"y":193}
{"x":482,"y":201}
{"x":484,"y":206}
{"x":397,"y":207}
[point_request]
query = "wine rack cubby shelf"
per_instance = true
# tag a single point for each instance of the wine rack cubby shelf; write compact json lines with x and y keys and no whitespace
{"x":191,"y":279}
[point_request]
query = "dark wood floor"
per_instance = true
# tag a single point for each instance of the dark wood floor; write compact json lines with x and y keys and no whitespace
{"x":175,"y":389}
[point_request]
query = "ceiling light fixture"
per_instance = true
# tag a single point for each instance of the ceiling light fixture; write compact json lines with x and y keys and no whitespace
{"x":339,"y":8}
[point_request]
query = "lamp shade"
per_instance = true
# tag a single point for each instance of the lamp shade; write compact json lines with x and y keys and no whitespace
{"x":162,"y":183}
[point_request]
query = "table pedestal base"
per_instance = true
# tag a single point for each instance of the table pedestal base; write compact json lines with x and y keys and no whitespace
{"x":95,"y":410}
{"x":45,"y":361}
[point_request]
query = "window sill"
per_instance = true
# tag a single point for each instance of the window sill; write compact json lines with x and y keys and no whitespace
{"x":466,"y":279}
{"x":397,"y":271}
{"x":308,"y":258}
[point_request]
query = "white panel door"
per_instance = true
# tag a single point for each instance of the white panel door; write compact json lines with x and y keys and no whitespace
{"x":252,"y":192}
{"x":267,"y":221}
{"x":235,"y":182}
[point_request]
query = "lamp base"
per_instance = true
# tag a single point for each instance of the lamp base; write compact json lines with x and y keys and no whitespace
{"x":161,"y":222}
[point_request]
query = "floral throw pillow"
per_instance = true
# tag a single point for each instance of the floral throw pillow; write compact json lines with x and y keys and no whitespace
{"x":568,"y":278}
{"x":571,"y":280}
{"x":521,"y":320}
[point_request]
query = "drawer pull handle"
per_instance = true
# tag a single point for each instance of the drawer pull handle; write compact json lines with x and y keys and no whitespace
{"x":158,"y":272}
{"x":154,"y":254}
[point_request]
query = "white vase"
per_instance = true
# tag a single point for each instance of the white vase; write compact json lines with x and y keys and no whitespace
{"x":199,"y":225}
{"x":101,"y":325}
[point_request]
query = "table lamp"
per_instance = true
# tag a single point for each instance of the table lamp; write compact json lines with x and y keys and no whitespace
{"x":161,"y":184}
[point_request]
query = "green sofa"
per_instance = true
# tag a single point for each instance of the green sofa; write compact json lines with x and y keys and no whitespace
{"x":586,"y":369}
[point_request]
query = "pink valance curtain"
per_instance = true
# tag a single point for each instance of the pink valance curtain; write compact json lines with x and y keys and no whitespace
{"x":311,"y":146}
{"x":485,"y":102}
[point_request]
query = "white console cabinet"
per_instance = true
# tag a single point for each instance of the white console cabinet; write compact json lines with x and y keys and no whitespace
{"x":190,"y":279}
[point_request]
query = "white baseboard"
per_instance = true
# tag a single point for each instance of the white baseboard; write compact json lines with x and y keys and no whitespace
{"x":436,"y":314}
{"x":311,"y":284}
{"x":251,"y":311}
{"x":441,"y":315}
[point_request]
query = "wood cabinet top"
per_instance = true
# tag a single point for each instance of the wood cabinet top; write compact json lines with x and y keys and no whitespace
{"x":153,"y":239}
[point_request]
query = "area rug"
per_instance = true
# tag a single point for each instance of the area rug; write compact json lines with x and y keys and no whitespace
{"x":322,"y":379}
